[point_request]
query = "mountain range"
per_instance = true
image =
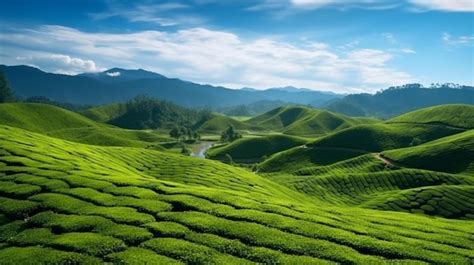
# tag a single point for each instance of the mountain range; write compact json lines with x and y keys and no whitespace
{"x":120,"y":85}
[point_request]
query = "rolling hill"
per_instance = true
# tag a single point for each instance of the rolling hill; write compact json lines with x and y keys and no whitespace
{"x":452,"y":154}
{"x":65,"y":202}
{"x":254,"y":149}
{"x":64,"y":124}
{"x":217,"y":123}
{"x":105,"y":113}
{"x":297,"y":120}
{"x":377,"y":137}
{"x":456,"y":115}
{"x":398,"y":100}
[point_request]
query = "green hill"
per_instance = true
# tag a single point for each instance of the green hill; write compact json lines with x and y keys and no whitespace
{"x":65,"y":124}
{"x":355,"y":141}
{"x":65,"y":202}
{"x":105,"y":113}
{"x":453,"y":154}
{"x":305,"y":156}
{"x":298,"y":120}
{"x":456,"y":115}
{"x":383,"y":136}
{"x":216,"y":123}
{"x":254,"y":149}
{"x":370,"y":182}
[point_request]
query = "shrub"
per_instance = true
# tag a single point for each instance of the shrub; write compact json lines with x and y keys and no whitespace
{"x":18,"y":255}
{"x":90,"y":243}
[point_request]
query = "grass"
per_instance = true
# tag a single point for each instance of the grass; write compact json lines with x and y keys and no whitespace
{"x":105,"y":113}
{"x":456,"y":115}
{"x":66,"y":202}
{"x":217,"y":123}
{"x":296,"y":120}
{"x":64,"y":124}
{"x":254,"y":149}
{"x":452,"y":154}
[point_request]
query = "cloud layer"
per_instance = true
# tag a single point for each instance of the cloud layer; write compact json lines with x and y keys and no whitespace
{"x":206,"y":56}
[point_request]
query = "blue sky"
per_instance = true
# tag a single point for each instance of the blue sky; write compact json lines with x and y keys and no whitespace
{"x":333,"y":45}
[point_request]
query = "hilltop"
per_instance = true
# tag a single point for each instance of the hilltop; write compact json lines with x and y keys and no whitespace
{"x":64,"y":124}
{"x":397,"y":100}
{"x":297,"y":120}
{"x":456,"y":115}
{"x":453,"y":154}
{"x":254,"y":149}
{"x":376,"y":137}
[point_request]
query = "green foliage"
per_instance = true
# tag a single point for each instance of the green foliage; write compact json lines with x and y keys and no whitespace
{"x":298,"y":120}
{"x":6,"y":93}
{"x":230,"y":134}
{"x":216,"y":123}
{"x":68,"y":125}
{"x":144,"y":112}
{"x":139,"y":256}
{"x":131,"y":205}
{"x":453,"y":154}
{"x":255,"y":149}
{"x":456,"y":115}
{"x":40,"y":255}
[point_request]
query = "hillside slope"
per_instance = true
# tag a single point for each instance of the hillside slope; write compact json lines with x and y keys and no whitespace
{"x":105,"y":113}
{"x":298,"y":120}
{"x":64,"y":202}
{"x":456,"y":115}
{"x":217,"y":123}
{"x":254,"y":149}
{"x":453,"y":154}
{"x":64,"y":124}
{"x":397,"y":100}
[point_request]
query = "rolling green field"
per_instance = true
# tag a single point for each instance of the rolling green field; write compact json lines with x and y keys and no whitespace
{"x":362,"y":193}
{"x":64,"y":124}
{"x":305,"y":121}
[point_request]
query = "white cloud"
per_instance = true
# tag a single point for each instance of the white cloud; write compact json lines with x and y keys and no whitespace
{"x":113,"y":74}
{"x":162,"y":14}
{"x":208,"y":56}
{"x":460,"y":40}
{"x":59,"y":63}
{"x":407,"y":50}
{"x":445,"y":5}
{"x":414,"y":5}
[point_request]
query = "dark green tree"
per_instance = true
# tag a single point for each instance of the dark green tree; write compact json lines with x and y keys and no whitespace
{"x":230,"y":134}
{"x":6,"y":93}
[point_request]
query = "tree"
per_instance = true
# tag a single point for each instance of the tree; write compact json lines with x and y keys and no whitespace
{"x":230,"y":135}
{"x":185,"y":150}
{"x":6,"y":93}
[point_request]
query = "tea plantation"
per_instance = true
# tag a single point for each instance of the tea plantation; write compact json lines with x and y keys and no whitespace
{"x":66,"y":202}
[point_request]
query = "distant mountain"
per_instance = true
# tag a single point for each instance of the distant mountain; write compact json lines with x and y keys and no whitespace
{"x":398,"y":100}
{"x":290,"y":89}
{"x":121,"y":75}
{"x":119,"y":85}
{"x":252,"y":109}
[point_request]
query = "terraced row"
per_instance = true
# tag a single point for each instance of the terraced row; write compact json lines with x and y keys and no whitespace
{"x":133,"y":207}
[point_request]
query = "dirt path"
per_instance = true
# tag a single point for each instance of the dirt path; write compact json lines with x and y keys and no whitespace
{"x":386,"y":161}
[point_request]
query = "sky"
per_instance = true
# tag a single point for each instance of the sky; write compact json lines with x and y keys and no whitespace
{"x":343,"y":46}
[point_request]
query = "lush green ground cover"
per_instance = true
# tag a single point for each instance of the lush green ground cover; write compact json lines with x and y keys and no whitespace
{"x":378,"y":137}
{"x":66,"y":202}
{"x":456,"y":115}
{"x":255,"y":149}
{"x":453,"y":154}
{"x":297,"y":120}
{"x":64,"y":124}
